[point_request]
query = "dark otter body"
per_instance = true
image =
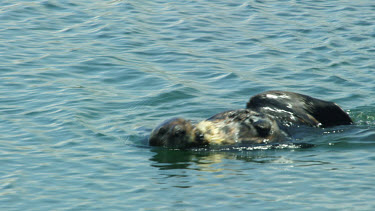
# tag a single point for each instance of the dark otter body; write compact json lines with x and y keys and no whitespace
{"x":263,"y":121}
{"x":293,"y":108}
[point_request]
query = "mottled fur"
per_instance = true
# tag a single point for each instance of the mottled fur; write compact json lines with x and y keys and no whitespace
{"x":259,"y":123}
{"x":236,"y":127}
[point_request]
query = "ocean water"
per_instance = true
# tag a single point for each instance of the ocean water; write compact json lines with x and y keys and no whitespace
{"x":82,"y":83}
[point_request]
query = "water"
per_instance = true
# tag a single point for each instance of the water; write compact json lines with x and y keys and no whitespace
{"x":83,"y":82}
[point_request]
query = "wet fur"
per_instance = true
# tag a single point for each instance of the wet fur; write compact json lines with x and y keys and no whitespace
{"x":237,"y":127}
{"x":263,"y":121}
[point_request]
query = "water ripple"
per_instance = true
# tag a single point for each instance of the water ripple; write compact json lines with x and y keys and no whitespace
{"x":83,"y":83}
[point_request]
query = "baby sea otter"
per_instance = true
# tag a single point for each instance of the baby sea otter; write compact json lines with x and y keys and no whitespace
{"x":262,"y":122}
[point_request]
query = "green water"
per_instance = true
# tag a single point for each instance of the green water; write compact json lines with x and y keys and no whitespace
{"x":82,"y":83}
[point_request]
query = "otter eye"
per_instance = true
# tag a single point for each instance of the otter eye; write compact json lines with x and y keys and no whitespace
{"x":162,"y":131}
{"x":179,"y":133}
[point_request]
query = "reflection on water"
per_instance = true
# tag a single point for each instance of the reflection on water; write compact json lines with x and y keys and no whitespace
{"x":203,"y":160}
{"x":200,"y":160}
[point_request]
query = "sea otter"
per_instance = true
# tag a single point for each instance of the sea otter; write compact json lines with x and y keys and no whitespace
{"x":265,"y":120}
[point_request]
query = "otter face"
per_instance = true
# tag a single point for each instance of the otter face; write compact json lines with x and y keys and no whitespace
{"x":258,"y":129}
{"x":242,"y":126}
{"x":175,"y":133}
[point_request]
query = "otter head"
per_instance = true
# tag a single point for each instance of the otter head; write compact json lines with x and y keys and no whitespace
{"x":245,"y":126}
{"x":259,"y":129}
{"x":175,"y":133}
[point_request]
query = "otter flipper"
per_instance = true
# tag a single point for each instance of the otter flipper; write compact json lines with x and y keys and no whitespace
{"x":289,"y":107}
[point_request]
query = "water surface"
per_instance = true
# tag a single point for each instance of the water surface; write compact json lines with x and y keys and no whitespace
{"x":82,"y":83}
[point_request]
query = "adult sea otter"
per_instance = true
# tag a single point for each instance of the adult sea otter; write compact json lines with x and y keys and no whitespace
{"x":265,"y":120}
